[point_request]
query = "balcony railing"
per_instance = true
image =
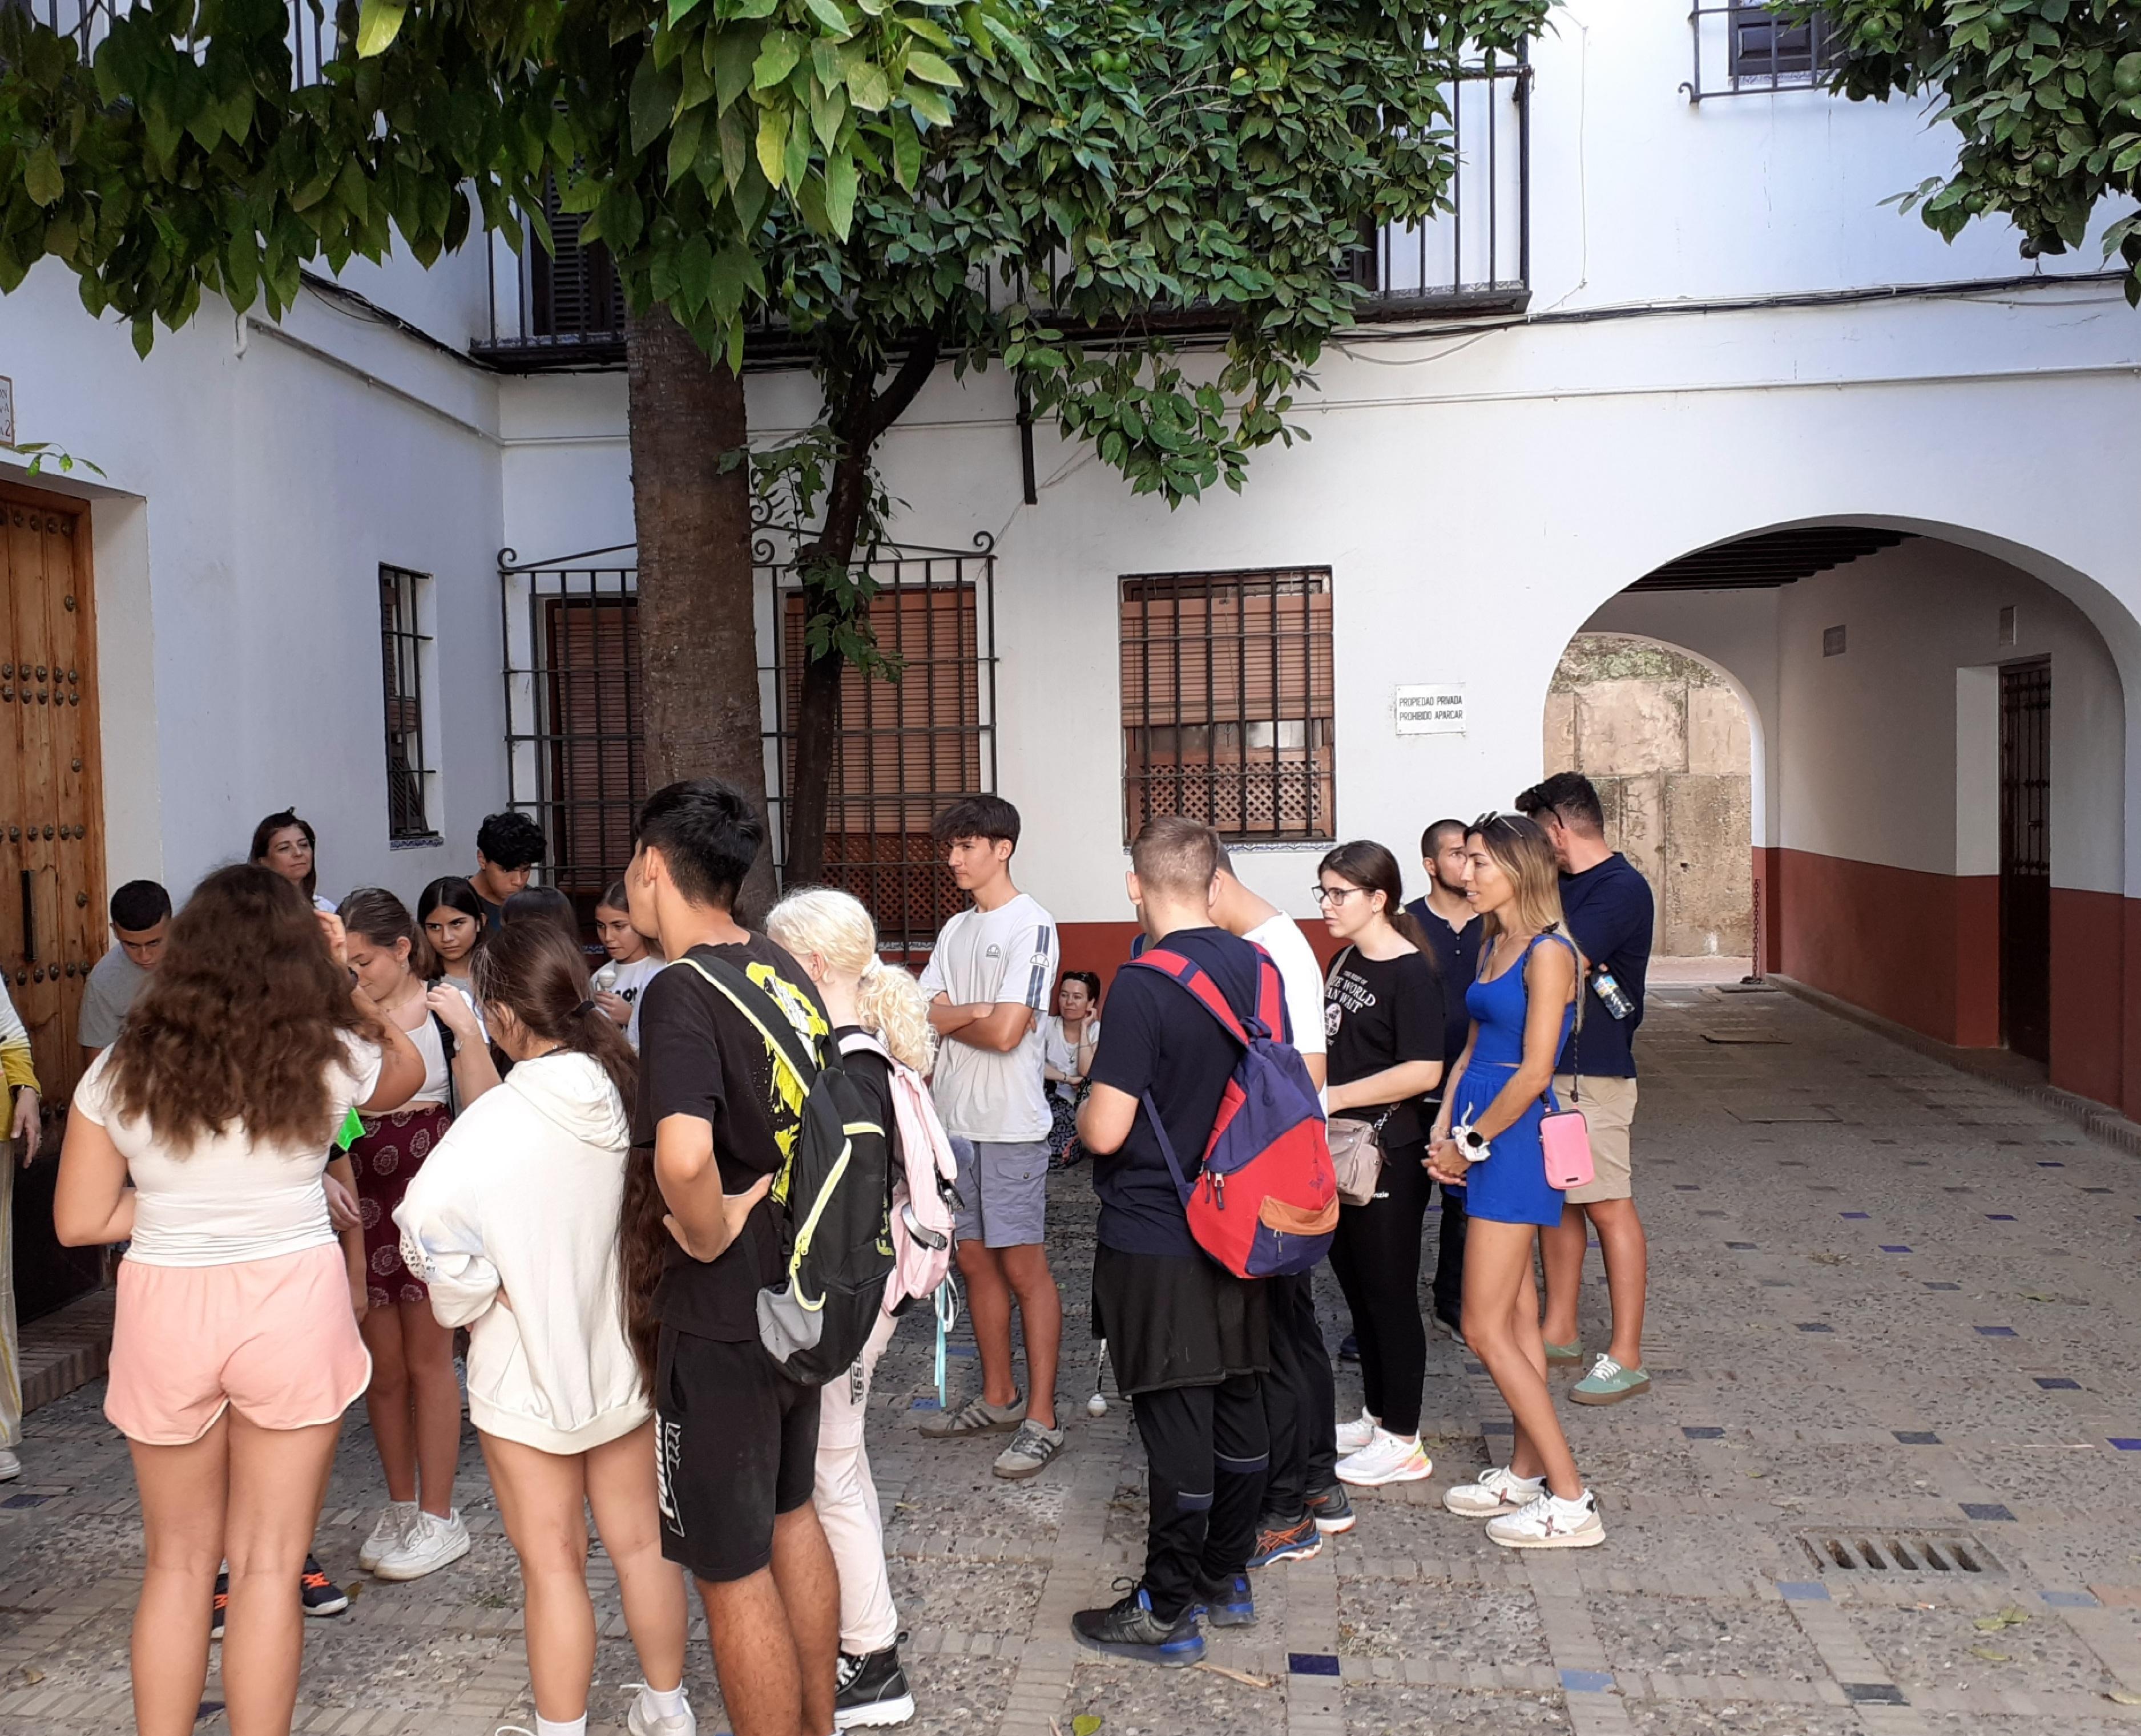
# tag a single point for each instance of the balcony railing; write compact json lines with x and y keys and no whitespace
{"x":311,"y":36}
{"x":565,"y":311}
{"x":1742,"y":47}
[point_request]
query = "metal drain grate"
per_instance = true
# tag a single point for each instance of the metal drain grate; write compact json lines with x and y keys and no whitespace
{"x":1901,"y":1551}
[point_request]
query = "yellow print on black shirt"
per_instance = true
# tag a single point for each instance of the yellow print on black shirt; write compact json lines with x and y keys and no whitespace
{"x":787,"y":1088}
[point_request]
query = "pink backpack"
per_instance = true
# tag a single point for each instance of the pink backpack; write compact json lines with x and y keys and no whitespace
{"x":923,"y":1172}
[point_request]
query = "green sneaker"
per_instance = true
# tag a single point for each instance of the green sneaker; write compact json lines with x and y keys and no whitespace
{"x":1608,"y":1384}
{"x":1563,"y":1356}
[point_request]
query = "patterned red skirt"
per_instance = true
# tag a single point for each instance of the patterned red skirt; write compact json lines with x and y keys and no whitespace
{"x":392,"y":1149}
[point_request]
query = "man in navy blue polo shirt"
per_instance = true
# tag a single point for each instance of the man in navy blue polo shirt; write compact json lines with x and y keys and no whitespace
{"x":1452,"y":928}
{"x":1609,"y":913}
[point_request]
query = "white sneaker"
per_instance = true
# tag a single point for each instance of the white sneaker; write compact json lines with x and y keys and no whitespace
{"x":388,"y":1535}
{"x":640,"y":1721}
{"x":1387,"y":1458}
{"x":1547,"y":1521}
{"x":1357,"y":1434}
{"x":432,"y":1543}
{"x":1496,"y":1490}
{"x":10,"y":1467}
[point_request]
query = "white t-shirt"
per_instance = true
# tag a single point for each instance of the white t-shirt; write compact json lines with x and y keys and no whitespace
{"x":1062,"y":1053}
{"x":625,"y":981}
{"x":227,"y":1199}
{"x":1299,"y":976}
{"x":989,"y":957}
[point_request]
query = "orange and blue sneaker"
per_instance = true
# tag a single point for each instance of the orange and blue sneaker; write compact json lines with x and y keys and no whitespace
{"x":1286,"y":1540}
{"x":321,"y":1596}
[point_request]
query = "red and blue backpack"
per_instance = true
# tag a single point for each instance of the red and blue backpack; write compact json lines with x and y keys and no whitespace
{"x":1265,"y":1201}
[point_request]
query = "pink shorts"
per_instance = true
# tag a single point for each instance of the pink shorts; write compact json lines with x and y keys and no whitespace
{"x":277,"y":1338}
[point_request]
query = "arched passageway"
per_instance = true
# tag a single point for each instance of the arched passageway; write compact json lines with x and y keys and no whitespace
{"x":1939,"y":810}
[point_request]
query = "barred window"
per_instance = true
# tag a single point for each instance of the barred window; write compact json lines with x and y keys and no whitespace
{"x":1767,"y":50}
{"x":404,"y":649}
{"x":1227,"y":699}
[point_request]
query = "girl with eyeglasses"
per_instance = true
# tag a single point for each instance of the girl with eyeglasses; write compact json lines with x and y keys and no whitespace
{"x":1486,"y":1140}
{"x":1382,"y":1014}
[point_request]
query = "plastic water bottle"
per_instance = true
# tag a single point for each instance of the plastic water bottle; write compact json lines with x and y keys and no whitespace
{"x":1610,"y":995}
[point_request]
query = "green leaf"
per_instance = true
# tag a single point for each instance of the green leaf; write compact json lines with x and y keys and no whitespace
{"x":922,"y":64}
{"x":772,"y":143}
{"x":867,"y":87}
{"x":930,"y":105}
{"x":828,"y":13}
{"x":652,"y":101}
{"x":905,"y":149}
{"x":1085,"y":1723}
{"x":144,"y":335}
{"x":378,"y":22}
{"x":42,"y":179}
{"x":776,"y":59}
{"x":841,"y":180}
{"x":694,"y":271}
{"x":734,"y":51}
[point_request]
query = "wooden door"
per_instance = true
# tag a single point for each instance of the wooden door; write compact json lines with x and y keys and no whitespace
{"x":2025,"y":858}
{"x":52,"y":925}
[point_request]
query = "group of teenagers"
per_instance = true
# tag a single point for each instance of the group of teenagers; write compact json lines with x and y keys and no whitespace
{"x":331,"y":1137}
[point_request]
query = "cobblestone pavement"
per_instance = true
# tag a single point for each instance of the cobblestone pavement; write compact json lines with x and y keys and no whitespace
{"x":1889,"y":1301}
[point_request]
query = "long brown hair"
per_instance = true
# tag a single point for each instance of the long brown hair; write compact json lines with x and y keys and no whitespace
{"x":1372,"y":868}
{"x":1521,"y":849}
{"x":379,"y":916}
{"x":239,"y":1025}
{"x":532,"y":970}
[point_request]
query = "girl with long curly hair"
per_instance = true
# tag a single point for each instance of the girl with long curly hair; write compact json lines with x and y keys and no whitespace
{"x":831,"y":935}
{"x":414,"y":1401}
{"x":234,"y":1342}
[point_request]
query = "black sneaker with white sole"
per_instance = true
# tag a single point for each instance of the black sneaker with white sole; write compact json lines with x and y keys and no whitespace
{"x":871,"y":1691}
{"x":221,"y":1602}
{"x":320,"y":1595}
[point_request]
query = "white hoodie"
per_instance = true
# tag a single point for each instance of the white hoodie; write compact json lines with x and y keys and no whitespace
{"x":522,"y":1196}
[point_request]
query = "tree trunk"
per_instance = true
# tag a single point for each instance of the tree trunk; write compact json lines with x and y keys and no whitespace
{"x":860,"y":419}
{"x":698,"y":638}
{"x":818,"y":709}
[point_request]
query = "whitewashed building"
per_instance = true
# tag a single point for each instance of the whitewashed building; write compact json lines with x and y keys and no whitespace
{"x":1673,"y":370}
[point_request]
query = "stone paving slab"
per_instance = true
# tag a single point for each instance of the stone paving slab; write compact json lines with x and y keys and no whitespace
{"x":1890,"y":1301}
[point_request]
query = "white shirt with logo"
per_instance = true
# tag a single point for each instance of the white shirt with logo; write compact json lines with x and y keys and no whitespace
{"x":625,"y":981}
{"x":989,"y":957}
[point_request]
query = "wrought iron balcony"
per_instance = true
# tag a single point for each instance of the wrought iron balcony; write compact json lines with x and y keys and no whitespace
{"x":565,"y":310}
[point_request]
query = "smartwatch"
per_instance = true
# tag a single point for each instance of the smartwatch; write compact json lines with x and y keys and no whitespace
{"x":1470,"y":1141}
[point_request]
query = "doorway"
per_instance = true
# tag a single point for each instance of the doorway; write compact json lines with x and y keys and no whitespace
{"x":52,"y":839}
{"x":2025,"y":858}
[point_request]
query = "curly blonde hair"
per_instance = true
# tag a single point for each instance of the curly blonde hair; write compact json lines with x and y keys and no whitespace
{"x":835,"y":925}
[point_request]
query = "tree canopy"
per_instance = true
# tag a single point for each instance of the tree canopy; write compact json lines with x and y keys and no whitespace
{"x":2046,"y":95}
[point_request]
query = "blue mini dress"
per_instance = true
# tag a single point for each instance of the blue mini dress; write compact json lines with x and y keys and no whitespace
{"x":1511,"y":1186}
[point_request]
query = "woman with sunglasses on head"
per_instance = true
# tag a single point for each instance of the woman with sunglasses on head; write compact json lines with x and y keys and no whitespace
{"x":1487,"y":1140}
{"x":1382,"y":1011}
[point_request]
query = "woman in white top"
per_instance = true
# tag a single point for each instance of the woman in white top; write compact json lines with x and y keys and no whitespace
{"x":414,"y":1400}
{"x":632,"y":963}
{"x":1071,"y":1037}
{"x":512,"y":1226}
{"x":234,"y":1343}
{"x":287,"y":845}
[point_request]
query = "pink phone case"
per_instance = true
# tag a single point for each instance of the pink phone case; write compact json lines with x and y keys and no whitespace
{"x":1565,"y":1136}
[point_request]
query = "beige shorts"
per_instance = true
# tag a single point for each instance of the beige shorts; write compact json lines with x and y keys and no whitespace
{"x":1608,"y":1106}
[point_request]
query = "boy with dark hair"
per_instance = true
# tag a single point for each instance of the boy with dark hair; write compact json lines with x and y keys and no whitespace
{"x":508,"y":846}
{"x":140,"y":923}
{"x":737,"y":1440}
{"x":1611,"y":914}
{"x":1189,"y":1339}
{"x":988,"y":978}
{"x":1453,"y":929}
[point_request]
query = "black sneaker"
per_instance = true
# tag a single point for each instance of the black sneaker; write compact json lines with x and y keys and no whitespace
{"x":222,"y":1603}
{"x":1130,"y":1629}
{"x":320,"y":1595}
{"x":871,"y":1690}
{"x":1225,"y":1602}
{"x":1332,"y":1509}
{"x":1349,"y":1349}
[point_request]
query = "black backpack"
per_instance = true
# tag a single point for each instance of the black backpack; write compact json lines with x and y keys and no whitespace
{"x":833,"y":1205}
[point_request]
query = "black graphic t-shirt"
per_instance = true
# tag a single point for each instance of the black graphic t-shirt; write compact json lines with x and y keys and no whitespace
{"x":1376,"y":1013}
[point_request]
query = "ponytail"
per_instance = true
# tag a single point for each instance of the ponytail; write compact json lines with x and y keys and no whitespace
{"x":893,"y":1007}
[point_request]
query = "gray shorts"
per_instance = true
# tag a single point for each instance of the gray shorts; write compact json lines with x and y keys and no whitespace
{"x":1005,"y":1188}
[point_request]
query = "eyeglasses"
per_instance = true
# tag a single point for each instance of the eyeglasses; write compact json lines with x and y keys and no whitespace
{"x":1333,"y":894}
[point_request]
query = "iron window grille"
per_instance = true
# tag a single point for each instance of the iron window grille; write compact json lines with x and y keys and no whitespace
{"x":907,"y":748}
{"x":404,"y":648}
{"x":310,"y":35}
{"x":1742,"y":46}
{"x":575,"y":754}
{"x":1226,"y":702}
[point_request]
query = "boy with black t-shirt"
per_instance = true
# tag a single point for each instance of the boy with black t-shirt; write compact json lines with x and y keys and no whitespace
{"x":737,"y":1440}
{"x":1188,"y":1338}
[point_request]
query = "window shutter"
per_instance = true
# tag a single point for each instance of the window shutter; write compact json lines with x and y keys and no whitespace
{"x":597,"y":765}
